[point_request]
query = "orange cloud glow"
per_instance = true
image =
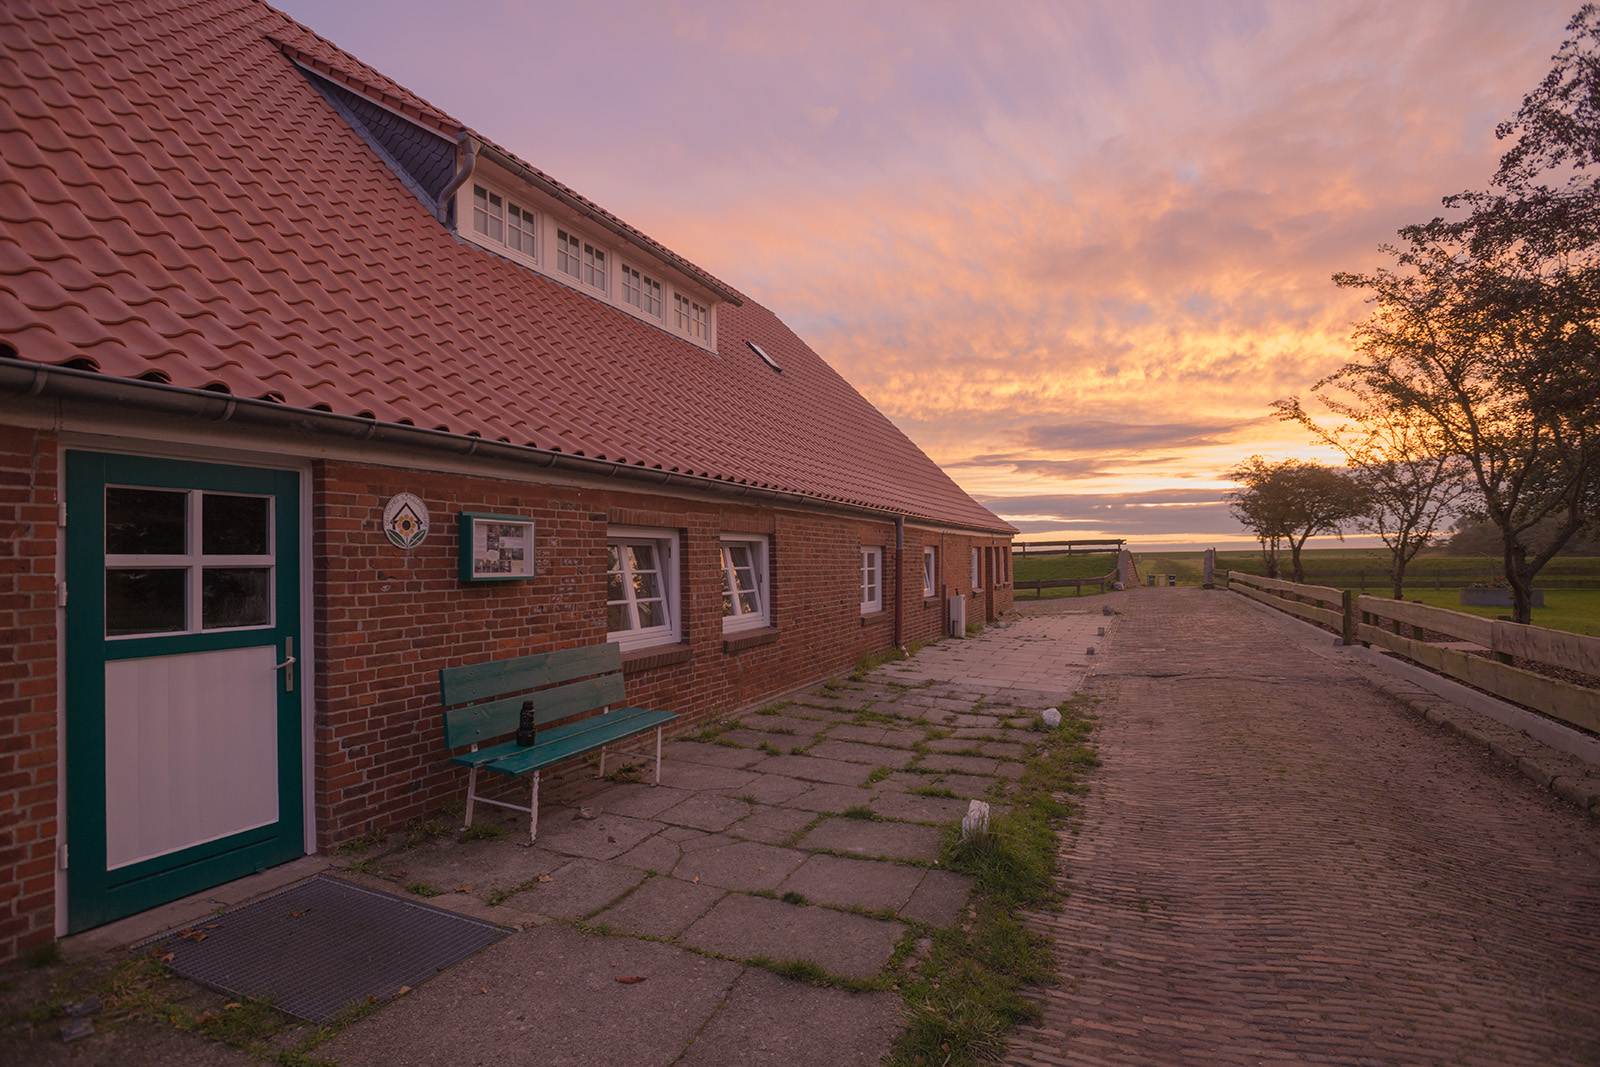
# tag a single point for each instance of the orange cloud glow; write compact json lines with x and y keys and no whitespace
{"x":1073,"y":250}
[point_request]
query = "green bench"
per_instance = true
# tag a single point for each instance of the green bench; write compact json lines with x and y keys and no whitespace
{"x":483,"y":702}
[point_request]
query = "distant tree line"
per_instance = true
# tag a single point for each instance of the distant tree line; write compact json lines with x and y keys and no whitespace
{"x":1476,"y":387}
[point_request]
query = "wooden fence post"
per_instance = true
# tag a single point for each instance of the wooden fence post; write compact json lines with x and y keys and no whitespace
{"x":1348,"y":636}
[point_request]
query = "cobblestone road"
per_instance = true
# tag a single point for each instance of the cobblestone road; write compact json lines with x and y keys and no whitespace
{"x":1277,"y":864}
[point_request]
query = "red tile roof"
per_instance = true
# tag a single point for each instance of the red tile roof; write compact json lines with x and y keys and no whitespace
{"x":176,"y":197}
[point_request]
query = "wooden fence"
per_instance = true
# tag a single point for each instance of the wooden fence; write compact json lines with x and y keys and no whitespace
{"x":1040,"y":585}
{"x":1069,"y":548}
{"x":1378,"y":578}
{"x":1477,"y":651}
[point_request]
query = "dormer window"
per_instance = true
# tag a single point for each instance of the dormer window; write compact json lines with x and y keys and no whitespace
{"x":581,"y":260}
{"x":692,"y":318}
{"x":496,"y":216}
{"x":504,"y":221}
{"x":642,"y":291}
{"x":521,"y":227}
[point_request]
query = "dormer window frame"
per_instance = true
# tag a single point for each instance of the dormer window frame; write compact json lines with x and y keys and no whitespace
{"x":553,"y":242}
{"x":495,"y":216}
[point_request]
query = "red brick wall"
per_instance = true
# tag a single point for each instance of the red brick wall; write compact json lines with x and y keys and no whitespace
{"x":388,"y":620}
{"x":28,"y":744}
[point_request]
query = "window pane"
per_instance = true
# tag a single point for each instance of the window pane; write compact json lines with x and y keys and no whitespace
{"x":651,"y":613}
{"x":146,"y":522}
{"x":614,"y":588}
{"x":235,"y":596}
{"x":234,"y":525}
{"x":646,"y":585}
{"x":642,"y":557}
{"x":746,"y":579}
{"x":740,"y":554}
{"x":144,"y":601}
{"x":613,"y":558}
{"x":617,"y":617}
{"x":749,"y":604}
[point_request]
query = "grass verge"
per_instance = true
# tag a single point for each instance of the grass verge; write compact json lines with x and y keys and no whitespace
{"x":968,"y":991}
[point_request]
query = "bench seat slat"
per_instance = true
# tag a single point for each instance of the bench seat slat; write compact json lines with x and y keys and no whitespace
{"x":490,"y":753}
{"x":563,"y":743}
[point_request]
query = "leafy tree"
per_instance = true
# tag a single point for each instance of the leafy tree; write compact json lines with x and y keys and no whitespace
{"x":1408,"y":481}
{"x":1287,"y":503}
{"x":1488,"y":329}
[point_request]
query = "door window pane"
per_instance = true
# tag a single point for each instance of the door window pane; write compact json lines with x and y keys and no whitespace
{"x":144,"y":601}
{"x":235,"y":596}
{"x":235,"y":525}
{"x":145,"y":522}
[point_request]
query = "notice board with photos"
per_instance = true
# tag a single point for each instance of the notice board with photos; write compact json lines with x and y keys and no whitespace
{"x":495,"y":547}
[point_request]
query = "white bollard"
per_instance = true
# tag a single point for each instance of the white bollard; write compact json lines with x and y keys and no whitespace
{"x":976,"y":822}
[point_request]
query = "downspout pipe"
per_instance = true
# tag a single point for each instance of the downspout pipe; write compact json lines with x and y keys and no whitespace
{"x":899,"y":583}
{"x":466,"y":158}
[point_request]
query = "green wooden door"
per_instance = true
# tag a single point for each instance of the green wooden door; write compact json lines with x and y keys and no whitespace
{"x":183,"y":706}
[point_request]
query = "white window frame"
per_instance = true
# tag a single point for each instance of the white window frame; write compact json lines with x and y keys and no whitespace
{"x":930,"y":570}
{"x":692,"y":318}
{"x":739,"y":619}
{"x":871,"y":579}
{"x":639,"y":291}
{"x":665,"y":543}
{"x":977,"y":570}
{"x":507,"y":215}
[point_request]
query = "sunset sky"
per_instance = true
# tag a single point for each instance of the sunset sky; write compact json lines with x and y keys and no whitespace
{"x":1072,"y":249}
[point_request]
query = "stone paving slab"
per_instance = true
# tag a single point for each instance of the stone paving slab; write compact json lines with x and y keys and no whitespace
{"x":855,"y":752}
{"x":847,"y":944}
{"x":866,"y":837}
{"x":769,"y":1022}
{"x":604,"y":837}
{"x":849,"y":883}
{"x":578,"y":888}
{"x":812,"y":769}
{"x":830,"y":799}
{"x":682,"y":774}
{"x":639,"y":800}
{"x":910,"y":807}
{"x":801,"y":727}
{"x":706,"y":811}
{"x":549,"y":996}
{"x":939,"y":899}
{"x":746,"y":865}
{"x":702,"y":754}
{"x":661,"y":907}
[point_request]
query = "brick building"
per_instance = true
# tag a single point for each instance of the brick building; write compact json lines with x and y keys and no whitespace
{"x":294,"y":367}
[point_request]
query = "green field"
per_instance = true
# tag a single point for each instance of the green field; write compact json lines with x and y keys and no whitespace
{"x":1083,"y":565}
{"x":1574,"y":610}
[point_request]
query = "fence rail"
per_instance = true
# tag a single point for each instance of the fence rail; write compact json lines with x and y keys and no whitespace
{"x":1378,"y":578}
{"x":1041,"y":584}
{"x":1479,"y":651}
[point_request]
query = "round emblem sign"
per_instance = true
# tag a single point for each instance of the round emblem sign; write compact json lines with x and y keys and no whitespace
{"x":405,"y":520}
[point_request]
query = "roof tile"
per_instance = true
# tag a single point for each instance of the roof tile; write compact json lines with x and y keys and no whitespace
{"x":176,"y":196}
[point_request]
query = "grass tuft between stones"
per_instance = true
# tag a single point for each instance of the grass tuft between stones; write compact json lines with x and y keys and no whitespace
{"x":967,"y":992}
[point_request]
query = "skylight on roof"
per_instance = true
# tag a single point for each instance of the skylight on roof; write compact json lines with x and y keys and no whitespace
{"x":768,"y":360}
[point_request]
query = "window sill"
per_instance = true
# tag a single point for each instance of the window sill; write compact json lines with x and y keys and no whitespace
{"x":740,"y":640}
{"x":644,"y":659}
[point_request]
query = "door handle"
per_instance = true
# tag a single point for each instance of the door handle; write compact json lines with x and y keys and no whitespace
{"x":287,"y":666}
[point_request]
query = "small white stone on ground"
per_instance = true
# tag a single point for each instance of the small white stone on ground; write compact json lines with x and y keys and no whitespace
{"x":976,"y":821}
{"x":1051,"y":717}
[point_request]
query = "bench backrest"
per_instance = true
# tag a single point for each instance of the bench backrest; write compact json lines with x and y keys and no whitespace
{"x":548,"y":678}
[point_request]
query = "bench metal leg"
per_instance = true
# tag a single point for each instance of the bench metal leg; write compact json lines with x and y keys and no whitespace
{"x":472,"y":795}
{"x":602,"y":773}
{"x":658,"y":756}
{"x":533,"y":808}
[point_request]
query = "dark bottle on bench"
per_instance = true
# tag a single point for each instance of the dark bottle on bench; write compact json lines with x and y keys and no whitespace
{"x":525,"y":724}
